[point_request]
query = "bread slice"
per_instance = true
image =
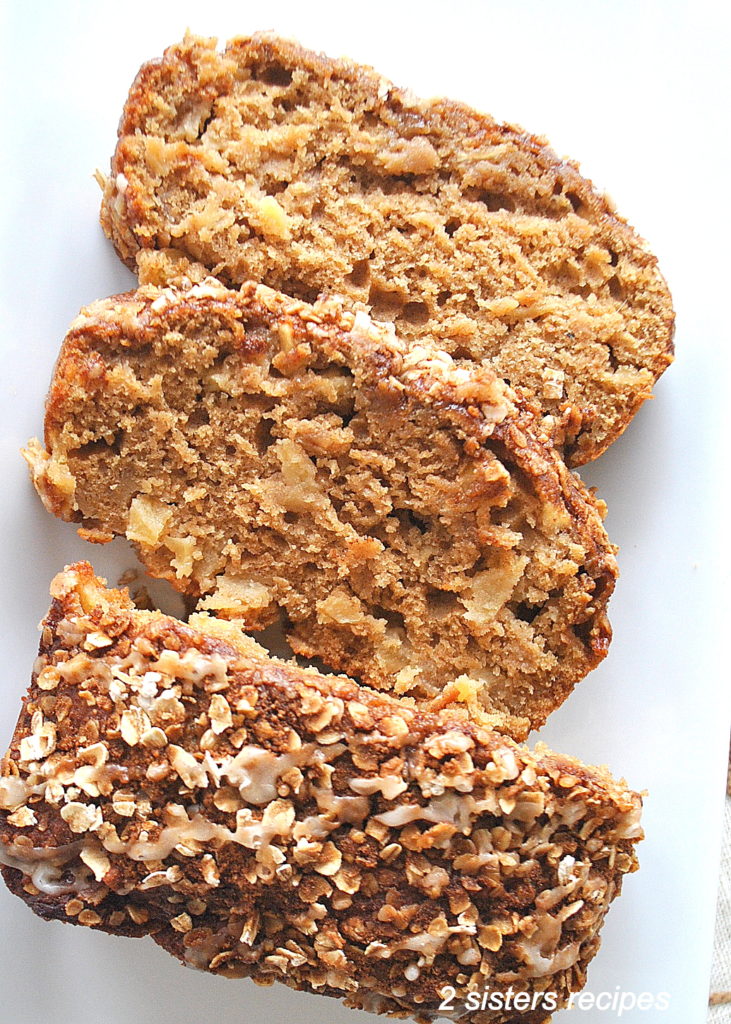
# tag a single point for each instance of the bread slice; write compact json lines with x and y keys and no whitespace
{"x":271,"y":458}
{"x":263,"y":820}
{"x":271,"y":163}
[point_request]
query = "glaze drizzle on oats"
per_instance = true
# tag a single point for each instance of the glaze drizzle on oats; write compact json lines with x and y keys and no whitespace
{"x":321,"y":834}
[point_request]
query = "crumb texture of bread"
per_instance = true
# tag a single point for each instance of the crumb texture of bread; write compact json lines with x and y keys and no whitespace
{"x":267,"y":162}
{"x":399,"y":513}
{"x":267,"y":821}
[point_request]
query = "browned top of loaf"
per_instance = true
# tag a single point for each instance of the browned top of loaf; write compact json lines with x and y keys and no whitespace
{"x":269,"y":821}
{"x":400,"y":513}
{"x":271,"y":163}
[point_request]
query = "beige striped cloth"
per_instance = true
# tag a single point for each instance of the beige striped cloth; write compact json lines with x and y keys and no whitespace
{"x":719,"y":1010}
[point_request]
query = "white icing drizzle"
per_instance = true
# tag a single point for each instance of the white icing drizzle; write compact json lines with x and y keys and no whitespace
{"x":45,"y":867}
{"x":256,"y":771}
{"x":457,"y":810}
{"x":313,"y":827}
{"x":350,"y":809}
{"x":540,"y":965}
{"x":390,"y":786}
{"x":197,"y":829}
{"x":249,"y":833}
{"x":14,"y":792}
{"x":347,"y":809}
{"x":570,"y":877}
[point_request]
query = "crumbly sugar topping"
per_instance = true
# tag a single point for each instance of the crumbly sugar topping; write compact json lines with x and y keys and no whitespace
{"x":378,"y":852}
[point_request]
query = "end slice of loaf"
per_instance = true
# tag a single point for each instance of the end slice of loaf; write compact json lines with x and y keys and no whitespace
{"x":262,"y":820}
{"x":271,"y":459}
{"x":268,"y":162}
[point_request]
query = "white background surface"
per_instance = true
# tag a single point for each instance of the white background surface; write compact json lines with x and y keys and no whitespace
{"x":639,"y":93}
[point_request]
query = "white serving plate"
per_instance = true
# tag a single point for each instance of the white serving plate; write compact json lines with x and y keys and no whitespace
{"x":635,"y":91}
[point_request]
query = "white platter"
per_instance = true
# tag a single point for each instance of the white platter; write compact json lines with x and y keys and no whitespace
{"x":635,"y":91}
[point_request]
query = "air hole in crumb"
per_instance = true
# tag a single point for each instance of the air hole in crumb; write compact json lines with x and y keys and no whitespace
{"x":452,"y":226}
{"x":613,"y":258}
{"x":443,"y":297}
{"x":360,"y":275}
{"x":385,"y":304}
{"x":584,"y":290}
{"x":526,"y":612}
{"x":416,"y":313}
{"x":263,"y":437}
{"x":393,"y":620}
{"x":495,"y":201}
{"x":346,"y":417}
{"x":276,"y":188}
{"x":276,"y":75}
{"x":290,"y":517}
{"x":371,"y":118}
{"x":613,"y":361}
{"x":337,"y":372}
{"x":392,"y":186}
{"x":101,"y":447}
{"x":204,"y":125}
{"x":409,"y":519}
{"x":299,"y":290}
{"x":601,"y":586}
{"x":199,"y":417}
{"x":443,"y":603}
{"x":583,"y":632}
{"x":616,"y":289}
{"x":577,"y":204}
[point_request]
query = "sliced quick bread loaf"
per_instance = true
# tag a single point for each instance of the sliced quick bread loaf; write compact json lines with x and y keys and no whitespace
{"x":261,"y":820}
{"x":403,"y":516}
{"x":268,"y":162}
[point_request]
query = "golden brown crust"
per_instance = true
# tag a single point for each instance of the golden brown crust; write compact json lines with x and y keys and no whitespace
{"x":400,"y":510}
{"x":269,"y":162}
{"x":265,"y":820}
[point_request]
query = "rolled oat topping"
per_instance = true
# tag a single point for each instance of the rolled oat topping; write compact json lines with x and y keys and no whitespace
{"x":286,"y":825}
